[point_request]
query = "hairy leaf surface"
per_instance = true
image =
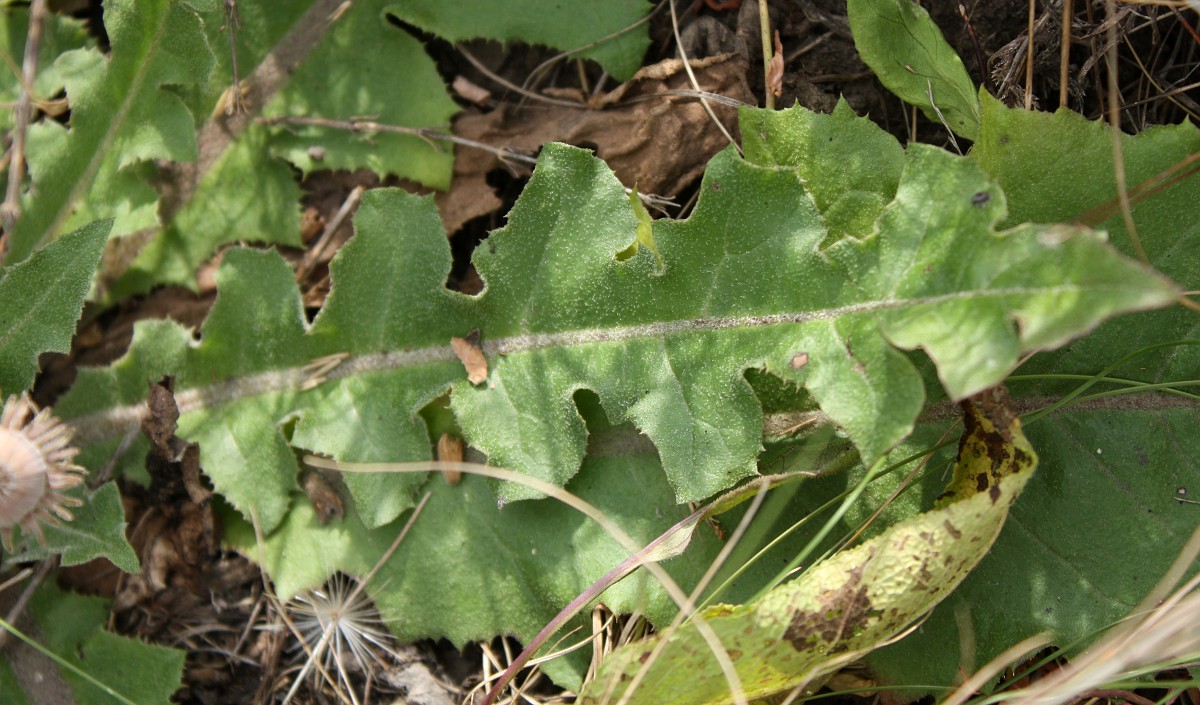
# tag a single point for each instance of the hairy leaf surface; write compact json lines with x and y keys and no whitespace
{"x":744,"y":285}
{"x":305,"y":60}
{"x":906,"y":50}
{"x":123,"y":115}
{"x":469,"y":570}
{"x":73,"y":627}
{"x":1102,"y":518}
{"x":40,"y":302}
{"x":756,"y":278}
{"x":585,"y":28}
{"x":98,"y":530}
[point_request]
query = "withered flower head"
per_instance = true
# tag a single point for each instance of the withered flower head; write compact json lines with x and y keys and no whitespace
{"x":35,"y":469}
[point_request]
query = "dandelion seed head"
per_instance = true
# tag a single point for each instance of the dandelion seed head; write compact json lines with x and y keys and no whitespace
{"x":36,"y":469}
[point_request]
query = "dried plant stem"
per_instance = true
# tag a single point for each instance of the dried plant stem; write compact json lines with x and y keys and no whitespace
{"x":764,"y":484}
{"x":360,"y":126}
{"x":11,"y":208}
{"x":687,"y":66}
{"x":514,"y":87}
{"x":542,"y":67}
{"x":233,"y":22}
{"x":1029,"y":56}
{"x":764,"y":24}
{"x":1183,"y":169}
{"x":682,"y":599}
{"x":314,"y":253}
{"x":1114,"y":124}
{"x":66,"y":665}
{"x":1064,"y":54}
{"x":899,"y":489}
{"x":984,"y":675}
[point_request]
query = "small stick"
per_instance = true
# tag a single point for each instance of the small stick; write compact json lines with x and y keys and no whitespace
{"x":1114,"y":124}
{"x":232,"y":22}
{"x":1029,"y":57}
{"x":514,"y":87}
{"x":687,"y":65}
{"x":11,"y":208}
{"x":314,"y":253}
{"x":764,"y":24}
{"x":358,"y":125}
{"x":18,"y":607}
{"x":1064,"y":55}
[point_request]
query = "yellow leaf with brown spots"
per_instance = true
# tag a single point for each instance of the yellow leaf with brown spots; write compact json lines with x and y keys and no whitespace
{"x":845,"y":606}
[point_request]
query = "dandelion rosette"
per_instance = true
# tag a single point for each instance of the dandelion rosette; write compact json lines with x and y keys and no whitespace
{"x":35,"y":469}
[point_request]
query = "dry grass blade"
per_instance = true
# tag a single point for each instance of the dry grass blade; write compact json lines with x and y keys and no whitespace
{"x":23,"y":112}
{"x":1153,"y":635}
{"x":687,"y":65}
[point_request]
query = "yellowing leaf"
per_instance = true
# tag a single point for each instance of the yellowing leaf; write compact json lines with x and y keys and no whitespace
{"x":844,"y":606}
{"x":645,"y":231}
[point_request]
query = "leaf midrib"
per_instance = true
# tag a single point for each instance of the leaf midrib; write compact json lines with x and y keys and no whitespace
{"x":117,"y":421}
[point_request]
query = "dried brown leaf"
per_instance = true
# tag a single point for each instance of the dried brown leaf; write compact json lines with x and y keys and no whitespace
{"x":468,"y":351}
{"x":636,"y":128}
{"x":775,"y":69}
{"x":450,"y":448}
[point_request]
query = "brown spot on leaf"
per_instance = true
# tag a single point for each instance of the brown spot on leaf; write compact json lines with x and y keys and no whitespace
{"x":842,"y":612}
{"x":952,"y":529}
{"x":994,"y":493}
{"x":799,"y":360}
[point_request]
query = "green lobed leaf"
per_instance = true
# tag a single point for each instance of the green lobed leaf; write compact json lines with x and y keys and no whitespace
{"x":59,"y":34}
{"x":247,"y":195}
{"x":1101,"y":521}
{"x":907,"y":51}
{"x":73,"y":627}
{"x":97,"y":531}
{"x":41,"y":300}
{"x":666,"y":351}
{"x":340,"y":81}
{"x":247,"y":189}
{"x":850,"y":168}
{"x":573,"y":27}
{"x":555,"y":281}
{"x":123,"y":115}
{"x":469,"y":570}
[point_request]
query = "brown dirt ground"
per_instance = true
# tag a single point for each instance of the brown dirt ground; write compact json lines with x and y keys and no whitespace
{"x":194,"y":596}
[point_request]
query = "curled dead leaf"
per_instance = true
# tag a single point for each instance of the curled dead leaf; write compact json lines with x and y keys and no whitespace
{"x":775,"y":69}
{"x":471,"y":354}
{"x":450,"y":448}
